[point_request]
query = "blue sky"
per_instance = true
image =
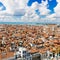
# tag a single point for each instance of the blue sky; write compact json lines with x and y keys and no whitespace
{"x":52,"y":4}
{"x":30,"y":10}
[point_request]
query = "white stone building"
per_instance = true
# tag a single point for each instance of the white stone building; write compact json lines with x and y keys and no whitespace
{"x":23,"y":54}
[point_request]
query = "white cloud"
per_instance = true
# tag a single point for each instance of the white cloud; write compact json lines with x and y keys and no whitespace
{"x":35,"y":6}
{"x":55,"y":16}
{"x":57,"y":11}
{"x":57,"y":8}
{"x":14,"y":5}
{"x":31,"y":15}
{"x":28,"y":13}
{"x":51,"y":17}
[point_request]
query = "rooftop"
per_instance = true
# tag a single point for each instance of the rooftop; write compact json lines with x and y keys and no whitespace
{"x":35,"y":39}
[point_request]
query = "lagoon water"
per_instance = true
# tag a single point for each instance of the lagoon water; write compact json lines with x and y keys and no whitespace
{"x":26,"y":23}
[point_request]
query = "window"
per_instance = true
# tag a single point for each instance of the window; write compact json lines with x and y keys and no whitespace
{"x":28,"y":54}
{"x":24,"y":56}
{"x":24,"y":52}
{"x":27,"y":59}
{"x":50,"y":55}
{"x":53,"y":54}
{"x":19,"y":51}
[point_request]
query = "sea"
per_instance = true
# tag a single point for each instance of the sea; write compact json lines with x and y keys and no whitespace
{"x":29,"y":23}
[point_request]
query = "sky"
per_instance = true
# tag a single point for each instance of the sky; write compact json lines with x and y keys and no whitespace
{"x":29,"y":10}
